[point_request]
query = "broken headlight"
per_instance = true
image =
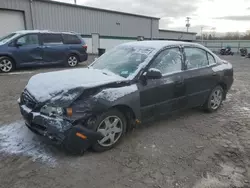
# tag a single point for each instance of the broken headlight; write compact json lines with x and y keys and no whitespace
{"x":52,"y":111}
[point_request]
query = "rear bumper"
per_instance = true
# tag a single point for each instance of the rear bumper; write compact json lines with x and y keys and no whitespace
{"x":59,"y":130}
{"x":83,"y":57}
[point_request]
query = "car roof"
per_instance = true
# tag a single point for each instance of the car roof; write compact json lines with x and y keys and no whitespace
{"x":42,"y":31}
{"x":159,"y":44}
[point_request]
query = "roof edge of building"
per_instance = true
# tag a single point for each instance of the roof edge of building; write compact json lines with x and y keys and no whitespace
{"x":166,"y":30}
{"x":100,"y":9}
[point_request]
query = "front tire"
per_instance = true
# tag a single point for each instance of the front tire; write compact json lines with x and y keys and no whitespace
{"x":214,"y":100}
{"x":72,"y":60}
{"x":6,"y":64}
{"x":112,"y":125}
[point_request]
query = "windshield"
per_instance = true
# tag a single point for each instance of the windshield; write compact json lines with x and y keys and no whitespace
{"x":122,"y":61}
{"x":7,"y":38}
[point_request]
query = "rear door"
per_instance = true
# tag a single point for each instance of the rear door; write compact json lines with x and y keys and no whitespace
{"x":27,"y":50}
{"x":199,"y":77}
{"x":167,"y":94}
{"x":54,"y":51}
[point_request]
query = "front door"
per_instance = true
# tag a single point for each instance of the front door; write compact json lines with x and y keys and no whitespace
{"x":167,"y":94}
{"x":199,"y":76}
{"x":54,"y":51}
{"x":27,"y":50}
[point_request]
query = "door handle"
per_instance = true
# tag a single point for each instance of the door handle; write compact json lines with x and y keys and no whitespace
{"x":40,"y":47}
{"x":179,"y":82}
{"x":43,"y":47}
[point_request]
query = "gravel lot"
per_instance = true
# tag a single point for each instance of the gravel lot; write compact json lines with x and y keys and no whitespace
{"x":187,"y":149}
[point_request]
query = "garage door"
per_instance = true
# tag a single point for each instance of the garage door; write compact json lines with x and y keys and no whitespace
{"x":11,"y":21}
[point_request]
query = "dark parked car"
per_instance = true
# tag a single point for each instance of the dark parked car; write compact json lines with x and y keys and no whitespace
{"x":36,"y":48}
{"x":130,"y":84}
{"x":226,"y":51}
{"x":243,"y":51}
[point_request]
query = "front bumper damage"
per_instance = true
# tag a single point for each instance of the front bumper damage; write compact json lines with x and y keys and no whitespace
{"x":59,"y":130}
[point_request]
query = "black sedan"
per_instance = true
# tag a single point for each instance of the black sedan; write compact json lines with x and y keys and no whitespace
{"x":130,"y":84}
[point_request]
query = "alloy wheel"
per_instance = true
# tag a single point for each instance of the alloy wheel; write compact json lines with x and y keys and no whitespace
{"x":111,"y":128}
{"x":72,"y":61}
{"x":216,"y":99}
{"x":6,"y":65}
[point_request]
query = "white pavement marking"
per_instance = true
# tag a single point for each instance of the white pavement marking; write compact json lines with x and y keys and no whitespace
{"x":17,"y":139}
{"x":17,"y":73}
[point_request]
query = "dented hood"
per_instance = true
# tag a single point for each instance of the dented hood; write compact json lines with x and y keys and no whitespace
{"x":45,"y":86}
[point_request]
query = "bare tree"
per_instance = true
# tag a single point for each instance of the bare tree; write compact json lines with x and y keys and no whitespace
{"x":247,"y":35}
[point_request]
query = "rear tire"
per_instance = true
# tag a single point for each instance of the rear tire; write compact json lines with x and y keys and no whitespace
{"x":112,"y":124}
{"x":6,"y":64}
{"x":72,"y":60}
{"x":214,"y":100}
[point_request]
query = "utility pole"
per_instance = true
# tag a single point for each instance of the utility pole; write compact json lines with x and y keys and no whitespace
{"x":202,"y":34}
{"x":187,"y":23}
{"x":75,"y":1}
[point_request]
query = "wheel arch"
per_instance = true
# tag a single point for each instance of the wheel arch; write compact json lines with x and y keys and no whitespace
{"x":74,"y":53}
{"x":224,"y":87}
{"x":9,"y":56}
{"x":129,"y":114}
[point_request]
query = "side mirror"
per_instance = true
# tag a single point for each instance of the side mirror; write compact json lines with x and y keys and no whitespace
{"x":153,"y":73}
{"x":18,"y":44}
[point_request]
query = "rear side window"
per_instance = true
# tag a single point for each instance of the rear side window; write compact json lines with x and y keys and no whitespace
{"x":195,"y":58}
{"x":52,"y":39}
{"x":71,"y":39}
{"x":211,"y":59}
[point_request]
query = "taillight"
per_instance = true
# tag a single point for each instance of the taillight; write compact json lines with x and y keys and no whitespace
{"x":85,"y":46}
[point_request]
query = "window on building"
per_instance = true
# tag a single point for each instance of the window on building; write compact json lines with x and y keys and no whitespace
{"x":195,"y":58}
{"x":168,"y":61}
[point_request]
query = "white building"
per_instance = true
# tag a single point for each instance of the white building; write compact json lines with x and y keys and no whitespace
{"x":99,"y":27}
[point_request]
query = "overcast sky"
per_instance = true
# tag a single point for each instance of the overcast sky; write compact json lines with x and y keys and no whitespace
{"x":224,"y":15}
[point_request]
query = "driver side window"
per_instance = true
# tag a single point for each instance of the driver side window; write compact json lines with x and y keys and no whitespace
{"x":26,"y":40}
{"x":168,"y":61}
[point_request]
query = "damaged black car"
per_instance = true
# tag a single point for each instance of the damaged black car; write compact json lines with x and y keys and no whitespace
{"x":130,"y":84}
